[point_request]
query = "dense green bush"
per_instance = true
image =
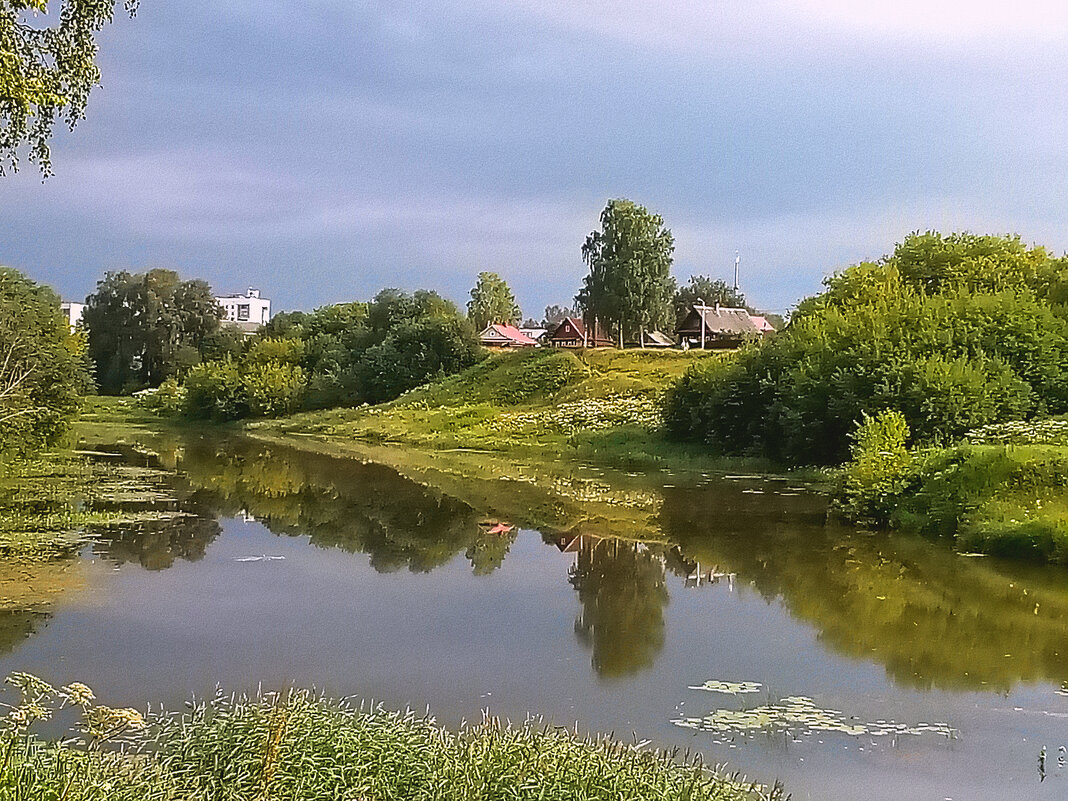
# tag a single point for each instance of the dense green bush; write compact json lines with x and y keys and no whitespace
{"x":954,"y":332}
{"x":43,"y":366}
{"x":879,"y":469}
{"x":413,"y":354}
{"x":273,"y":389}
{"x":276,"y":350}
{"x":215,"y":391}
{"x":169,"y":399}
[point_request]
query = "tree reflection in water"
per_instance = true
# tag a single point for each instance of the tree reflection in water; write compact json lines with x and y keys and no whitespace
{"x":931,"y":617}
{"x":623,"y":591}
{"x":343,"y":503}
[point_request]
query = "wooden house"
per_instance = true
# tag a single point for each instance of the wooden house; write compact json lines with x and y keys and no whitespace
{"x":716,"y":327}
{"x":572,"y":333}
{"x":652,"y":339}
{"x":499,"y":335}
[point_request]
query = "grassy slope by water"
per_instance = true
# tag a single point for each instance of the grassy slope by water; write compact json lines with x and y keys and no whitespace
{"x":1004,"y":493}
{"x":300,"y":746}
{"x":599,"y":406}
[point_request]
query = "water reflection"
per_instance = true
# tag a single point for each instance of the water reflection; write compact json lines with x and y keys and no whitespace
{"x":623,"y":591}
{"x":931,"y":617}
{"x":157,"y":545}
{"x":346,"y":504}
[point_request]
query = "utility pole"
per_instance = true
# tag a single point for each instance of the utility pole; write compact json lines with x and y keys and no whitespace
{"x":737,"y":262}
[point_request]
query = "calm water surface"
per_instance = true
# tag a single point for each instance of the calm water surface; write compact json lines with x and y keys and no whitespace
{"x":605,"y":603}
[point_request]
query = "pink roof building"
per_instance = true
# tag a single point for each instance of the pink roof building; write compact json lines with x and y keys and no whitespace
{"x":499,"y":335}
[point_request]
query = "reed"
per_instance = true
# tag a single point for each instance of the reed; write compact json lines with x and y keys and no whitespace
{"x":300,"y":745}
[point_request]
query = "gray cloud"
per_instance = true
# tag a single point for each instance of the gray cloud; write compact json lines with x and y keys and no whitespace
{"x":326,"y":150}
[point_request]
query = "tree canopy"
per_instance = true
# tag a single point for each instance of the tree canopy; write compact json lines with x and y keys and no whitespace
{"x":954,"y":332}
{"x":629,"y":288}
{"x":339,"y":355}
{"x":46,"y":72}
{"x":42,"y":366}
{"x":144,"y":327}
{"x":492,"y":301}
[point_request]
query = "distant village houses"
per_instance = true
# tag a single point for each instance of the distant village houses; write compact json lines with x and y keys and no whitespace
{"x":248,"y":312}
{"x":573,"y":333}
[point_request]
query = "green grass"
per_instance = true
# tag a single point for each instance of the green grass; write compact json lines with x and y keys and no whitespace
{"x":601,"y":406}
{"x":1003,"y":491}
{"x":301,"y":746}
{"x":1007,"y":500}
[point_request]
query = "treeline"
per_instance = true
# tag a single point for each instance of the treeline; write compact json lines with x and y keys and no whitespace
{"x":953,"y":332}
{"x":340,"y":355}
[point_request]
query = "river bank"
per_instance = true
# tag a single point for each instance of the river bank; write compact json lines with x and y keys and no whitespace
{"x":600,"y":407}
{"x":298,"y":745}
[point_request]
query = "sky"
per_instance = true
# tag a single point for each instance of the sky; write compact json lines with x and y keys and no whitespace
{"x":325,"y":149}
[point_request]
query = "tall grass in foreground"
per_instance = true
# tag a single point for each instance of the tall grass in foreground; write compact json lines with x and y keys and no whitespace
{"x":299,"y":745}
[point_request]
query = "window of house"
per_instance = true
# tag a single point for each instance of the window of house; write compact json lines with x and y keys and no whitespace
{"x":242,"y":311}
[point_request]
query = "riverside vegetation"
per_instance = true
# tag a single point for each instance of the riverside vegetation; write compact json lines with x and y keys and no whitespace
{"x":301,"y":745}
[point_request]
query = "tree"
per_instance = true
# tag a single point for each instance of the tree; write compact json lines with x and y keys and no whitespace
{"x":554,"y":315}
{"x":42,"y":366}
{"x":141,"y":324}
{"x":629,"y":287}
{"x":709,"y":291}
{"x":492,"y":301}
{"x":46,"y":72}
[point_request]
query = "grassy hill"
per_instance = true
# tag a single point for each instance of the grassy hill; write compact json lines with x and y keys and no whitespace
{"x":598,"y":405}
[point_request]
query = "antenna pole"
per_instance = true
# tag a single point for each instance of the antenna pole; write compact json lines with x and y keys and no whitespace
{"x":737,"y":262}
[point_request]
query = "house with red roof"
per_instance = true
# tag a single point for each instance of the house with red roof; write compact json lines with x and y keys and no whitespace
{"x":500,"y":335}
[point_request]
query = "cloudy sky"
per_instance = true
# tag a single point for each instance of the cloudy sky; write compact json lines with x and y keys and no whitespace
{"x":322,"y":150}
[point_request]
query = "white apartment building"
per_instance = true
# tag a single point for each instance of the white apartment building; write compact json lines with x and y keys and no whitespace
{"x":72,"y":311}
{"x":248,"y":311}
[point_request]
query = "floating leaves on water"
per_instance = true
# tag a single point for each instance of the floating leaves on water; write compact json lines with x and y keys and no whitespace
{"x":729,"y":687}
{"x":798,"y":715}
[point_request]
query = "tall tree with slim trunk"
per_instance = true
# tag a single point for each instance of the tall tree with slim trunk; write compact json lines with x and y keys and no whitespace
{"x":492,"y":301}
{"x":629,"y":287}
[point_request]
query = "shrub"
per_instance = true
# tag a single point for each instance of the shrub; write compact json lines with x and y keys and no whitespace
{"x":879,"y":470}
{"x":275,"y":350}
{"x":273,"y":389}
{"x":964,"y":339}
{"x":169,"y":399}
{"x":415,"y":353}
{"x":215,"y":391}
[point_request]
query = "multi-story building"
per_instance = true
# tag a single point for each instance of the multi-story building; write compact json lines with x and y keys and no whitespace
{"x":248,"y":312}
{"x":72,"y":311}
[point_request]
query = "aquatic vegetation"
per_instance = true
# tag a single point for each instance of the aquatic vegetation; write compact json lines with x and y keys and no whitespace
{"x":300,"y":745}
{"x":52,"y":505}
{"x":799,"y":715}
{"x":729,"y":687}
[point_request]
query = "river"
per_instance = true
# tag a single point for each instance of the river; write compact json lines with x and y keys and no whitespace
{"x":594,"y":600}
